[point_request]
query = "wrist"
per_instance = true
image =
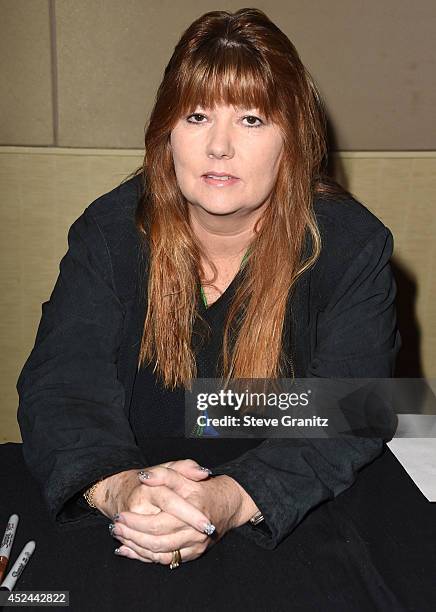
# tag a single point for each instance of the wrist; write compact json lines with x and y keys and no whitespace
{"x":90,"y":491}
{"x":100,"y":495}
{"x":107,"y":496}
{"x":242,"y":504}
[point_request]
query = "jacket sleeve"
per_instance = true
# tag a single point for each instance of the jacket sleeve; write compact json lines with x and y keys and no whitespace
{"x":356,"y":337}
{"x":71,"y":403}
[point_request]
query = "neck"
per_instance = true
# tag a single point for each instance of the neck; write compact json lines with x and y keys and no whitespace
{"x":224,"y":238}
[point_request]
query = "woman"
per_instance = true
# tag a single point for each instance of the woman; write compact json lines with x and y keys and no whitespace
{"x":277,"y":266}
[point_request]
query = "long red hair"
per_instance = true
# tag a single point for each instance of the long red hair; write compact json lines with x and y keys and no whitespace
{"x":240,"y":59}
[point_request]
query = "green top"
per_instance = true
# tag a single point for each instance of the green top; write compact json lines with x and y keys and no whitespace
{"x":244,"y":259}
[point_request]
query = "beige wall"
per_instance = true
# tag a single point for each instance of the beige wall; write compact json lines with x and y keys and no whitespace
{"x":83,"y":73}
{"x":44,"y":190}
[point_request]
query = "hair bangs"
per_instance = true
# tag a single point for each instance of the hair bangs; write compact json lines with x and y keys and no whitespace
{"x":231,"y":77}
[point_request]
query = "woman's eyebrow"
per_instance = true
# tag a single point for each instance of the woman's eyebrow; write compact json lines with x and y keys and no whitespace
{"x":238,"y":109}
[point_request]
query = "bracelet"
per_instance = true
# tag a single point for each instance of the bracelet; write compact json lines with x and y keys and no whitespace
{"x":256,"y":518}
{"x":89,"y":493}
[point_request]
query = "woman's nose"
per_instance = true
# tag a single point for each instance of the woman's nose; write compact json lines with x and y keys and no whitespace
{"x":220,"y":142}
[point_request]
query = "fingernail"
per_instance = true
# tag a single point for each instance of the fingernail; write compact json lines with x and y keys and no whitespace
{"x":144,"y":475}
{"x":205,"y":469}
{"x":209,"y":528}
{"x":118,"y":518}
{"x":118,"y":552}
{"x":112,"y":531}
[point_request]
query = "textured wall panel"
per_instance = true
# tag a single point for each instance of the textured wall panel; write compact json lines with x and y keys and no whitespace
{"x":25,"y":74}
{"x":374,"y":63}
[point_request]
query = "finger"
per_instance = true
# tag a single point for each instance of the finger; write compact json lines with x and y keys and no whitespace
{"x":156,"y":476}
{"x":171,"y":497}
{"x":189,"y":468}
{"x":133,"y":551}
{"x":160,"y":475}
{"x":166,"y":524}
{"x":125,"y":551}
{"x":159,"y":543}
{"x":177,"y":487}
{"x":173,"y":504}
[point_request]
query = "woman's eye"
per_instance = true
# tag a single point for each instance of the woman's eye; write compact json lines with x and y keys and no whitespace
{"x":251,"y":117}
{"x":196,"y":118}
{"x":196,"y":115}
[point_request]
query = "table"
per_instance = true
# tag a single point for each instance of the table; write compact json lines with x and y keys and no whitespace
{"x":372,"y":548}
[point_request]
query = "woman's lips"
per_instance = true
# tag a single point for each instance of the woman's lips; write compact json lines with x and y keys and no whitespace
{"x":219,"y":182}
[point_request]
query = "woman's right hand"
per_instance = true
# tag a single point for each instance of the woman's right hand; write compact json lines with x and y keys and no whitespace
{"x":124,"y":491}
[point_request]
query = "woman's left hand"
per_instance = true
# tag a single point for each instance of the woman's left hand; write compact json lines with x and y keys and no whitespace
{"x":152,"y":538}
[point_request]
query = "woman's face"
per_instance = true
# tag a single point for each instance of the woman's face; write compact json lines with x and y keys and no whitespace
{"x":236,"y":142}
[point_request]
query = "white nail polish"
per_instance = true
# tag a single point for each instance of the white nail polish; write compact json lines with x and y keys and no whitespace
{"x":209,"y":528}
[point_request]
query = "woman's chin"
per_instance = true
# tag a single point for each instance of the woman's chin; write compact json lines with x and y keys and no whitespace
{"x":217,"y":208}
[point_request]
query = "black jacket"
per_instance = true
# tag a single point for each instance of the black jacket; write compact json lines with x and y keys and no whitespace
{"x":75,"y":387}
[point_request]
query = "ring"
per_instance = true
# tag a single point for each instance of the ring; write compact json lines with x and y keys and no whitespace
{"x":176,"y":560}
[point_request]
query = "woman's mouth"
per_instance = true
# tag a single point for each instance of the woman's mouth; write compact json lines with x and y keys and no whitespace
{"x":219,"y":181}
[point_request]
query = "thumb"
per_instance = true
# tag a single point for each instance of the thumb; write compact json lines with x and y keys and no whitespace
{"x":189,"y":468}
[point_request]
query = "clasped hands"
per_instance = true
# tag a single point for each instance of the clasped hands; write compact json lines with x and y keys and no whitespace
{"x":175,"y":506}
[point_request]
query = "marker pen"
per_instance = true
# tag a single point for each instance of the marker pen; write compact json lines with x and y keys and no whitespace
{"x":8,"y":540}
{"x":18,"y":567}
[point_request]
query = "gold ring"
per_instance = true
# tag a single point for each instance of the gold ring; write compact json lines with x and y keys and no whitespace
{"x":176,"y":560}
